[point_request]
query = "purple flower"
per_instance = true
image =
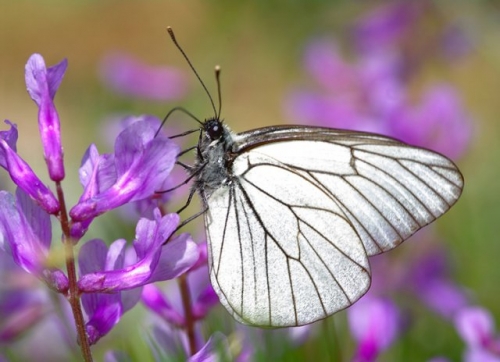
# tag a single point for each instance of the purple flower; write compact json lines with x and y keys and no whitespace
{"x":424,"y":273}
{"x":395,"y":25}
{"x":26,"y":235}
{"x":22,"y":303}
{"x":152,"y":260}
{"x":22,"y":175}
{"x":169,"y":305}
{"x":168,"y":342}
{"x":216,"y":349}
{"x":137,"y":169}
{"x":325,"y":64}
{"x":202,"y":256}
{"x":438,"y":122}
{"x":111,"y":279}
{"x":476,"y":327}
{"x":154,"y":299}
{"x":357,"y":96}
{"x":116,"y":274}
{"x":144,"y":207}
{"x":129,"y":76}
{"x":429,"y":280}
{"x":42,"y":84}
{"x":21,"y":320}
{"x":386,"y":25}
{"x":205,"y":301}
{"x":374,"y":324}
{"x":103,"y":310}
{"x":370,"y":95}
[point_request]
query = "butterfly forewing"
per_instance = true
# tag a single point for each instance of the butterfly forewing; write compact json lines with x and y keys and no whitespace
{"x":290,"y":233}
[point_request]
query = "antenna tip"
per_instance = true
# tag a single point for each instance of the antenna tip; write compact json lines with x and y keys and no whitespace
{"x":170,"y":31}
{"x":217,"y":68}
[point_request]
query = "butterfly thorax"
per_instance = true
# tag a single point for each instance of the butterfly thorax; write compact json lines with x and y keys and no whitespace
{"x":214,"y":158}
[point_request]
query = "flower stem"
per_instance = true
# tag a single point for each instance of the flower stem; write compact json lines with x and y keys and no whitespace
{"x":186,"y":302}
{"x":74,"y":295}
{"x":334,"y":350}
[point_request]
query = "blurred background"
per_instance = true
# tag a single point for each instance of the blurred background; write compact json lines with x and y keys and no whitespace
{"x":312,"y":62}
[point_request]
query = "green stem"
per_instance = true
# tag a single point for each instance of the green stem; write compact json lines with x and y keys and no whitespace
{"x":73,"y":293}
{"x":186,"y":302}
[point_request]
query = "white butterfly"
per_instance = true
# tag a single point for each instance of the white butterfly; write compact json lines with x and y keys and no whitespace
{"x":292,"y":213}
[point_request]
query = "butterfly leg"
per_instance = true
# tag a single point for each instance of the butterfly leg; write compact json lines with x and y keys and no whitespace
{"x":175,"y":109}
{"x":185,"y":181}
{"x":184,"y":166}
{"x":198,"y":150}
{"x":191,"y":218}
{"x":188,"y":220}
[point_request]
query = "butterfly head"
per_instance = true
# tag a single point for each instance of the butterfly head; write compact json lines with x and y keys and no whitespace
{"x":213,"y":128}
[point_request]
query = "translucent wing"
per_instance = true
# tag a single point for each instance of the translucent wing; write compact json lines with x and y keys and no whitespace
{"x":279,"y":259}
{"x":290,"y":235}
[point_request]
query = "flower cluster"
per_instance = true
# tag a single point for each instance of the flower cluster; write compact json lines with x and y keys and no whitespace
{"x":129,"y":76}
{"x":176,"y":319}
{"x":110,"y":279}
{"x":371,"y":92}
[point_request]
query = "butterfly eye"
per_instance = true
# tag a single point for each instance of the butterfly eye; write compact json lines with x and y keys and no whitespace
{"x":213,"y":128}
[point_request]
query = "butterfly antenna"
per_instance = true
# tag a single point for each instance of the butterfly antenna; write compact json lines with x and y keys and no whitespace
{"x":172,"y":35}
{"x":217,"y":79}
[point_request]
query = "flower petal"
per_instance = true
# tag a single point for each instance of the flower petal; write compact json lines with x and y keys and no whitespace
{"x":92,"y":256}
{"x":41,"y":80}
{"x":439,"y":122}
{"x":19,"y":231}
{"x":22,"y":174}
{"x":475,"y":325}
{"x":129,"y":76}
{"x":21,"y":321}
{"x":326,"y":66}
{"x":480,"y":355}
{"x":143,"y":162}
{"x":374,"y":323}
{"x":154,"y":260}
{"x":42,"y":84}
{"x":97,"y":172}
{"x":106,"y":315}
{"x":216,"y":349}
{"x":205,"y":302}
{"x":154,"y":299}
{"x":10,"y":137}
{"x":384,"y":26}
{"x":177,"y":257}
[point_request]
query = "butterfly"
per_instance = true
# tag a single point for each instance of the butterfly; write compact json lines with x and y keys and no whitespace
{"x":292,"y":213}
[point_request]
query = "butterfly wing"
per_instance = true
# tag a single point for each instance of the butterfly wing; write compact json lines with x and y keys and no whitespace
{"x":290,"y":235}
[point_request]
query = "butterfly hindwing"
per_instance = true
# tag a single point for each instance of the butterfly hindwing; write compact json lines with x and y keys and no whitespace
{"x":279,"y":262}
